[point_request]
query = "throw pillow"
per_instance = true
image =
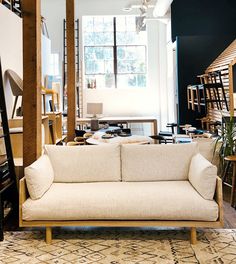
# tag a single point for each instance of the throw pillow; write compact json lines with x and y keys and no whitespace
{"x":39,"y":177}
{"x":202,"y":176}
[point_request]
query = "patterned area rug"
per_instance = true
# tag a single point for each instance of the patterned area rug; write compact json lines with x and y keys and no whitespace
{"x":119,"y":246}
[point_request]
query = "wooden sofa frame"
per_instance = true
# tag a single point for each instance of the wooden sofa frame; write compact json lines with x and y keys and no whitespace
{"x":123,"y":223}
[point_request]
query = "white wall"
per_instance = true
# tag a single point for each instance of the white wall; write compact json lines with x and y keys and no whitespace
{"x":117,"y":101}
{"x":10,"y":49}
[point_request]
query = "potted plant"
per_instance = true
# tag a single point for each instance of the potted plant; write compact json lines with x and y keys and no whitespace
{"x":226,"y":143}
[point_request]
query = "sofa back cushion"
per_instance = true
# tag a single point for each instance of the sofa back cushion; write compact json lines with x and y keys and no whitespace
{"x":156,"y":162}
{"x":85,"y":163}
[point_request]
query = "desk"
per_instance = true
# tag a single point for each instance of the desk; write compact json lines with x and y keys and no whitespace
{"x":123,"y":119}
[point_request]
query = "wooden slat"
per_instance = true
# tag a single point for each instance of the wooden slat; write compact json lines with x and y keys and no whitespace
{"x":32,"y":146}
{"x":231,"y":86}
{"x":71,"y":77}
{"x":221,"y":63}
{"x":124,"y":223}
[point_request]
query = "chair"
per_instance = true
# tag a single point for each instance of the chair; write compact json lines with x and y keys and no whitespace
{"x":158,"y":139}
{"x":53,"y":93}
{"x":168,"y":135}
{"x":196,"y":96}
{"x":16,"y":84}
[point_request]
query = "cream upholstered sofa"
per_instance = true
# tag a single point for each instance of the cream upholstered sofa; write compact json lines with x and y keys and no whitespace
{"x":128,"y":185}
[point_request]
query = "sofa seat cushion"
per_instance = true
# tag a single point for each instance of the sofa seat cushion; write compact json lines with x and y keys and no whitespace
{"x":170,"y":200}
{"x":156,"y":162}
{"x":85,"y":163}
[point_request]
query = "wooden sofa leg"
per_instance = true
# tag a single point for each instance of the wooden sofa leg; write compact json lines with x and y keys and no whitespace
{"x":193,"y":236}
{"x":48,"y":235}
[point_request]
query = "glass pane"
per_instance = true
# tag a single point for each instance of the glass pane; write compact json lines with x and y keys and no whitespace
{"x":109,"y":66}
{"x":120,"y":23}
{"x":98,"y":60}
{"x":89,"y":67}
{"x":108,"y":24}
{"x":131,"y":81}
{"x":99,"y":54}
{"x":131,"y":59}
{"x":103,"y":39}
{"x":88,"y":24}
{"x":126,"y":32}
{"x":130,"y":23}
{"x":121,"y":38}
{"x":98,"y":24}
{"x":121,"y":53}
{"x":89,"y":39}
{"x":108,"y":53}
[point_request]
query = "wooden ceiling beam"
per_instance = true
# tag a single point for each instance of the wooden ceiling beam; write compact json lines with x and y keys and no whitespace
{"x":71,"y":77}
{"x":32,"y":146}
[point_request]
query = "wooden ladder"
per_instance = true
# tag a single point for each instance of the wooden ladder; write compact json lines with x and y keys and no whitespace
{"x":79,"y":84}
{"x":8,"y":186}
{"x":13,"y":5}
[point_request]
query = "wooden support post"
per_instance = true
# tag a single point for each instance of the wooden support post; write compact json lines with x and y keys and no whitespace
{"x":193,"y":236}
{"x":32,"y":120}
{"x":48,"y":235}
{"x":71,"y":79}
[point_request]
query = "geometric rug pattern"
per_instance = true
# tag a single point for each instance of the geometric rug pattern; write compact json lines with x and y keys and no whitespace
{"x":119,"y":246}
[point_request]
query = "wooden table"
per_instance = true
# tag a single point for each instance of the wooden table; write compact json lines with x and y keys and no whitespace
{"x":137,"y":140}
{"x":232,"y":159}
{"x":123,"y":119}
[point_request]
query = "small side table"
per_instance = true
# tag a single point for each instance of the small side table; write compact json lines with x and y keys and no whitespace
{"x":232,"y":159}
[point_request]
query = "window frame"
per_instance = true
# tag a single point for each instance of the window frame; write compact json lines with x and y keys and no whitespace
{"x":115,"y":58}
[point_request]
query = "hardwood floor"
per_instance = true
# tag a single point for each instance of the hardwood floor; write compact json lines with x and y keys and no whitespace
{"x":229,"y":212}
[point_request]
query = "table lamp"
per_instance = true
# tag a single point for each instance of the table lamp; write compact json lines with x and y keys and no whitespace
{"x":94,"y":109}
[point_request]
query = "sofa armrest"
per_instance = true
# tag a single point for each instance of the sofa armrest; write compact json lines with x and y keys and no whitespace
{"x":202,"y":176}
{"x":219,"y":198}
{"x":23,"y":195}
{"x":39,"y":177}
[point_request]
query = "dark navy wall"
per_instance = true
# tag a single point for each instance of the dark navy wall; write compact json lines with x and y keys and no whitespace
{"x":203,"y":17}
{"x":202,"y":29}
{"x":195,"y":54}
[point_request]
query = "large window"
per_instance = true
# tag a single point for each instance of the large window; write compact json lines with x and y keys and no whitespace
{"x":115,"y":55}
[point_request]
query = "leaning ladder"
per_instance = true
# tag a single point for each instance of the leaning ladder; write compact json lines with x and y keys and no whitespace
{"x":8,"y":186}
{"x":79,"y":85}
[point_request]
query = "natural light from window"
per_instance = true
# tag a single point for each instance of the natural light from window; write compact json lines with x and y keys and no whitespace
{"x":115,"y":54}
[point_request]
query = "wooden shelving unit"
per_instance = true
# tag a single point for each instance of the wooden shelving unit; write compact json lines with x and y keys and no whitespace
{"x":223,"y":64}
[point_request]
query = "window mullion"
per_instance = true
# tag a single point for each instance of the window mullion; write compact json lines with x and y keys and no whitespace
{"x":115,"y":52}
